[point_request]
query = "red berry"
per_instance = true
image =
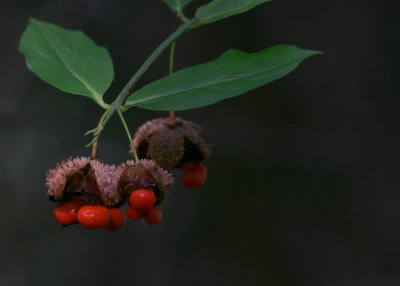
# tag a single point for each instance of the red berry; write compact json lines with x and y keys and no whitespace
{"x":153,"y":216}
{"x":185,"y":165}
{"x":67,"y":213}
{"x":142,"y":199}
{"x":117,"y":220}
{"x":134,"y":214}
{"x":94,"y":217}
{"x":195,"y":176}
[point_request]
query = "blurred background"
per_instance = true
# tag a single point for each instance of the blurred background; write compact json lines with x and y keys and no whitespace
{"x":303,"y":185}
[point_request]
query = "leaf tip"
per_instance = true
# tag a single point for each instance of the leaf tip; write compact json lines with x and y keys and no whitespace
{"x":315,"y":53}
{"x":34,"y":21}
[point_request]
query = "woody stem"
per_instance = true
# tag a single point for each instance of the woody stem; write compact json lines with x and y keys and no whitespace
{"x":96,"y":139}
{"x":121,"y":99}
{"x":126,"y":91}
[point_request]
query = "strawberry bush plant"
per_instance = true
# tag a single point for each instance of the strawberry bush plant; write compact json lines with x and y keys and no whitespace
{"x":73,"y":63}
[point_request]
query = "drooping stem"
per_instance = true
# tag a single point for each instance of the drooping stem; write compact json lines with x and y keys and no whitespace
{"x":94,"y":149}
{"x":97,"y":134}
{"x":171,"y":70}
{"x":126,"y":91}
{"x":120,"y":100}
{"x":121,"y":116}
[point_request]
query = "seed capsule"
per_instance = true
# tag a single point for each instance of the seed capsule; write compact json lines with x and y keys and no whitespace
{"x":146,"y":175}
{"x":135,"y":177}
{"x":172,"y":144}
{"x":84,"y":177}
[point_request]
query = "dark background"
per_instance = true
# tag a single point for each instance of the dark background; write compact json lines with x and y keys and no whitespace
{"x":303,"y":182}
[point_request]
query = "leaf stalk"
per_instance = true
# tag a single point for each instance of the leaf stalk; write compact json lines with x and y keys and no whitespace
{"x":120,"y":100}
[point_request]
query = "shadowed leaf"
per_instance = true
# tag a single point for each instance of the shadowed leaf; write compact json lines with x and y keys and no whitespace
{"x":220,"y":9}
{"x":68,"y":60}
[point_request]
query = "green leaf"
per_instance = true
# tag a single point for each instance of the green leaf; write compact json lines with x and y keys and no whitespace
{"x":232,"y":74}
{"x":220,"y":9}
{"x":68,"y":60}
{"x":177,"y":5}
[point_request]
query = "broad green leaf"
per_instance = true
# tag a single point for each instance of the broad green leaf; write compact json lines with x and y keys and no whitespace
{"x":177,"y":5}
{"x":68,"y":60}
{"x":232,"y":74}
{"x":220,"y":9}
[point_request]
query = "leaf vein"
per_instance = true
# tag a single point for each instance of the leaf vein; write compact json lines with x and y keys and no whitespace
{"x":224,"y":12}
{"x":209,"y":84}
{"x":87,"y":85}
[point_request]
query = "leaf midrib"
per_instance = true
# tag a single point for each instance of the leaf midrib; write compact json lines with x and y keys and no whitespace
{"x":209,"y":84}
{"x":87,"y":85}
{"x":224,"y":12}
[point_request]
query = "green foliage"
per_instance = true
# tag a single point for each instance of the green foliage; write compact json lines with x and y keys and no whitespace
{"x":232,"y":74}
{"x":68,"y":60}
{"x":220,"y":9}
{"x":177,"y":5}
{"x":72,"y":62}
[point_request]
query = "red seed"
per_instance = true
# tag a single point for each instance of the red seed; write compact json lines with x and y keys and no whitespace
{"x":185,"y":165}
{"x":195,"y":176}
{"x":142,"y":199}
{"x":117,"y":220}
{"x":153,"y":216}
{"x":94,"y":217}
{"x":134,"y":214}
{"x":67,"y":213}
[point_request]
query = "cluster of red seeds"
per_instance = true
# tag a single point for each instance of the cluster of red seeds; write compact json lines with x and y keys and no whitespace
{"x":162,"y":145}
{"x":141,"y":204}
{"x":92,"y":217}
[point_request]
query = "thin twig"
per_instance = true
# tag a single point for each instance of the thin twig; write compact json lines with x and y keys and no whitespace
{"x":126,"y":91}
{"x":171,"y":70}
{"x":172,"y":117}
{"x":121,"y":116}
{"x":97,"y":134}
{"x":94,"y":149}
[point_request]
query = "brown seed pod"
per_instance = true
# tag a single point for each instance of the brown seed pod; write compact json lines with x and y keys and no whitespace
{"x":172,"y":144}
{"x":66,"y":178}
{"x":145,"y":175}
{"x":107,"y":177}
{"x":84,"y":177}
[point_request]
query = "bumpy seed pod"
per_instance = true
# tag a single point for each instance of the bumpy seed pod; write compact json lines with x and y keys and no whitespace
{"x":171,"y":144}
{"x":145,"y":175}
{"x":107,"y":177}
{"x":83,"y":176}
